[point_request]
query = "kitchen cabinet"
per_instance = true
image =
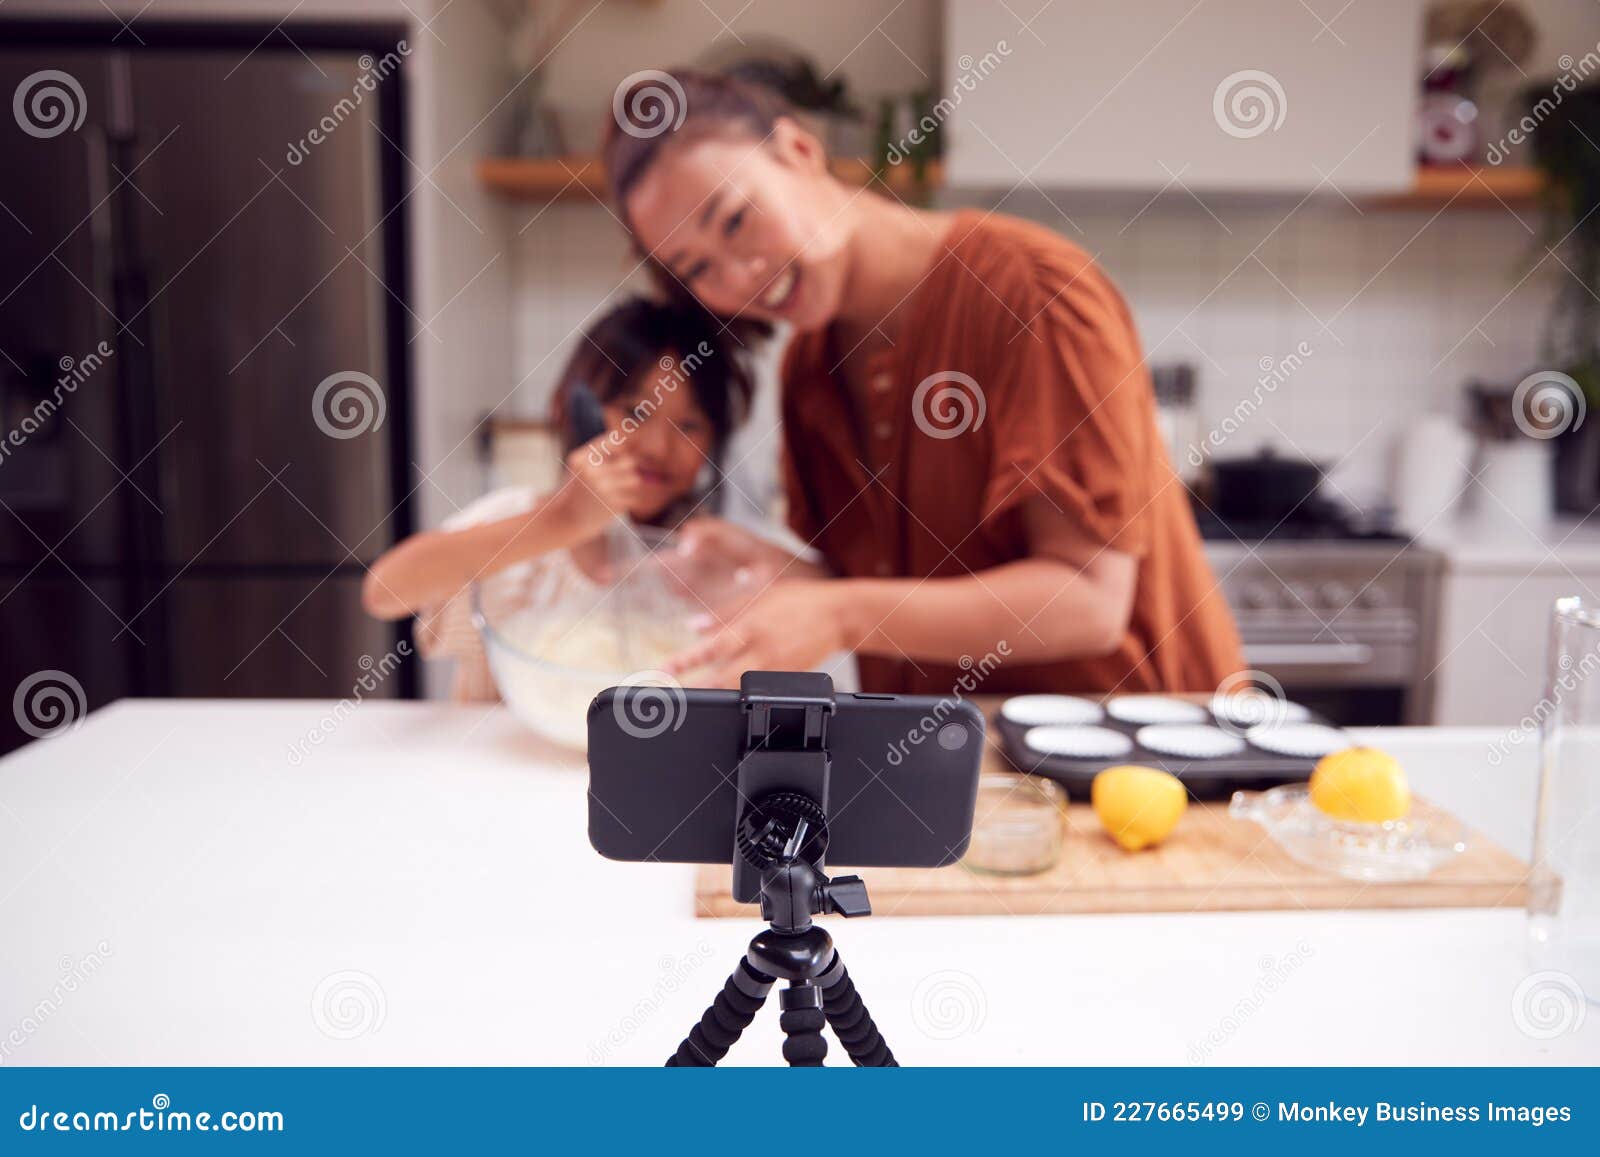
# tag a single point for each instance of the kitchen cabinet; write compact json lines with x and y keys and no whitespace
{"x":1252,"y":95}
{"x":1494,"y":630}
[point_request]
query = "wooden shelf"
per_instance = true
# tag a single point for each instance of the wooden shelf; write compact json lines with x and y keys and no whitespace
{"x":580,"y":177}
{"x":1469,"y":187}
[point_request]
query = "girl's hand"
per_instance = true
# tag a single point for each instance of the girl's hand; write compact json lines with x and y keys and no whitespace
{"x":792,"y":626}
{"x":604,"y":484}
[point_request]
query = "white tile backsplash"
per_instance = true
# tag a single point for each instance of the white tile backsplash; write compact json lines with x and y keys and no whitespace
{"x":1399,"y":307}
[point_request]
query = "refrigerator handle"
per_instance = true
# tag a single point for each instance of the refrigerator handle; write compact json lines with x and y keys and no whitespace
{"x":101,"y":237}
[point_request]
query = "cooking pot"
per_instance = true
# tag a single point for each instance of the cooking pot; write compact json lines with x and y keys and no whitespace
{"x":1262,"y":487}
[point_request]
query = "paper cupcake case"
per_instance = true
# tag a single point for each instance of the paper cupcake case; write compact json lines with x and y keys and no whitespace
{"x":1242,"y":765}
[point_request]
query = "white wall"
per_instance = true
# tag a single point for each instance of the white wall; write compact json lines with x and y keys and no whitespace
{"x":1414,"y":303}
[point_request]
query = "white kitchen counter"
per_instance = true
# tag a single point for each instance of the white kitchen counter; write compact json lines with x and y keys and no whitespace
{"x":1502,"y":544}
{"x":198,"y":887}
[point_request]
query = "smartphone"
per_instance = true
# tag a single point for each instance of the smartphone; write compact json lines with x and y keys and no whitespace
{"x":902,"y":783}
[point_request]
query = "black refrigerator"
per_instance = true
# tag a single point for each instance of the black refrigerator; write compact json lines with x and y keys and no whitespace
{"x":203,"y":386}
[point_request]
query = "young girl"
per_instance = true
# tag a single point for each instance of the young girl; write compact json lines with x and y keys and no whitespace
{"x":646,"y":407}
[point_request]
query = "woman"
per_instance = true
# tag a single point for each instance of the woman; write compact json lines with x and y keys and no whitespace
{"x":969,"y":428}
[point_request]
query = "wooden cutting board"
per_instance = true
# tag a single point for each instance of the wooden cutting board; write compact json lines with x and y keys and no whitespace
{"x":1212,"y":863}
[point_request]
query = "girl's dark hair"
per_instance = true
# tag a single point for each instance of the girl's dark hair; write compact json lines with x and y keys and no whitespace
{"x":662,"y":110}
{"x":638,"y":342}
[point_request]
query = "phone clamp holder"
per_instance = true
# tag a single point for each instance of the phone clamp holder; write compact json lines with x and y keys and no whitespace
{"x":780,"y":841}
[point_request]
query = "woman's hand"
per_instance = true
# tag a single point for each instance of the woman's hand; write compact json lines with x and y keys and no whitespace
{"x":792,"y":626}
{"x":718,"y":542}
{"x":604,"y":484}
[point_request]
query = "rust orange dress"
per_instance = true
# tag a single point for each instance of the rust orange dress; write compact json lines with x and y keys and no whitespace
{"x":1057,"y":403}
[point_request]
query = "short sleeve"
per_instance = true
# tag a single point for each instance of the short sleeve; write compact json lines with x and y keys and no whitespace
{"x":1072,"y":413}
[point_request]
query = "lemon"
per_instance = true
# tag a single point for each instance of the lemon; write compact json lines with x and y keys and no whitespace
{"x":1138,"y":806}
{"x":1361,"y":784}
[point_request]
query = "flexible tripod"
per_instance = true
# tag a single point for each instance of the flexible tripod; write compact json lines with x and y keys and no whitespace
{"x":782,"y":836}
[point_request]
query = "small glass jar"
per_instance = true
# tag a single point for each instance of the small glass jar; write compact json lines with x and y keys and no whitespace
{"x":1017,"y":825}
{"x":1564,"y":887}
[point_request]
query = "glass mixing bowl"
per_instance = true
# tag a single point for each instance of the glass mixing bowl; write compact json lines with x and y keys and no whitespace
{"x":560,"y":629}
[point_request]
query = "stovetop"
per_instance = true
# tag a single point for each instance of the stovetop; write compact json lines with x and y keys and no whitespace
{"x":1312,"y":522}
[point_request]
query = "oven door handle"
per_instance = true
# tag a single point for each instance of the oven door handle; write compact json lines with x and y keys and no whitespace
{"x":1307,"y":654}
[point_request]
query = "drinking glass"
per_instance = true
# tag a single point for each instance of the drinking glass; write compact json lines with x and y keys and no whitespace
{"x":1564,"y":888}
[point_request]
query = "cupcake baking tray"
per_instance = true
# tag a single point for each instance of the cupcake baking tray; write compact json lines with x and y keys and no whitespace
{"x":1068,"y":718}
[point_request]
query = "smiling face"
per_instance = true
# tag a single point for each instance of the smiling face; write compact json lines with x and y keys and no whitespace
{"x":667,"y":434}
{"x":754,"y":229}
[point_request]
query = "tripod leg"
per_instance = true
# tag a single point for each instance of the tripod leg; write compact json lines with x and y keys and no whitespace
{"x":729,"y":1015}
{"x":802,"y":1022}
{"x":851,"y":1022}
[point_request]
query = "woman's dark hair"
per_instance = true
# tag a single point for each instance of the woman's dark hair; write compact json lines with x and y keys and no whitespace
{"x":637,"y":342}
{"x":664,"y":109}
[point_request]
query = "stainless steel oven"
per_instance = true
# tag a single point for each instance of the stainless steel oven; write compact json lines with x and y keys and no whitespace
{"x":1344,"y":625}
